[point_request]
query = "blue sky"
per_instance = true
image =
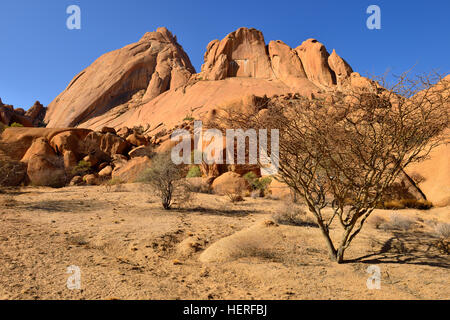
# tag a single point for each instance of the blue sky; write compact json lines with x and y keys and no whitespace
{"x":39,"y":55}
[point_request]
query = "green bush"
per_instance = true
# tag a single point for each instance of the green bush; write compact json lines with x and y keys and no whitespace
{"x":189,"y":117}
{"x":251,"y":179}
{"x":82,"y":168}
{"x":194,"y":172}
{"x":257,"y":184}
{"x":16,"y":125}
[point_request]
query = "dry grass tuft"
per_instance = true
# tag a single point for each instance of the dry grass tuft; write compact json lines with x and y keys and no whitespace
{"x":377,"y":221}
{"x":294,"y":215}
{"x":399,"y":222}
{"x":114,"y":184}
{"x":8,"y":202}
{"x":77,"y":240}
{"x":443,"y":230}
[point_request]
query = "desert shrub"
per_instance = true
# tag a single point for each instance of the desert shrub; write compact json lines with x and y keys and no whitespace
{"x":165,"y":178}
{"x":235,"y":197}
{"x":377,"y":221}
{"x":443,"y":243}
{"x":251,"y":179}
{"x":234,"y":193}
{"x":417,"y":204}
{"x":16,"y":125}
{"x":399,"y":222}
{"x":82,"y":168}
{"x":258,"y":185}
{"x":417,"y":178}
{"x":194,"y":172}
{"x":443,"y":230}
{"x":189,"y":118}
{"x":77,"y":240}
{"x":294,"y":215}
{"x":264,"y":182}
{"x":109,"y":184}
{"x":407,"y":203}
{"x":443,"y":246}
{"x":138,"y":130}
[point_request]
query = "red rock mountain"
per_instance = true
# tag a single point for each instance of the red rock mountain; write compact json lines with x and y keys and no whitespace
{"x":153,"y":65}
{"x":152,"y":83}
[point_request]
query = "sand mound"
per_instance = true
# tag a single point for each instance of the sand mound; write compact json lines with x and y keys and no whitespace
{"x":190,"y":245}
{"x":259,"y":240}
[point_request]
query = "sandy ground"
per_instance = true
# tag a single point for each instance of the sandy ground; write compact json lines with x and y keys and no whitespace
{"x":128,"y":248}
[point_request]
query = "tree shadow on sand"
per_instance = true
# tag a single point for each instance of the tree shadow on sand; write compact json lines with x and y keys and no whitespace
{"x":405,"y":248}
{"x":236,"y":212}
{"x":64,"y":206}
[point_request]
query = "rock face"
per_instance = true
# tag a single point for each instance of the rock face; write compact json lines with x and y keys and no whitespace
{"x":240,"y":54}
{"x":152,"y":83}
{"x":36,"y":113}
{"x":340,"y":67}
{"x":108,"y":143}
{"x":154,"y":64}
{"x":285,"y":61}
{"x":314,"y":57}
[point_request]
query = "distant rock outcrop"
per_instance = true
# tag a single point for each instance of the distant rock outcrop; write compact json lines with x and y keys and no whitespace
{"x":37,"y":113}
{"x":340,"y":67}
{"x":153,"y":84}
{"x":314,"y":57}
{"x":9,"y":115}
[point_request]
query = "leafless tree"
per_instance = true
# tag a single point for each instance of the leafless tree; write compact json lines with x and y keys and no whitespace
{"x":167,"y":180}
{"x":343,"y":149}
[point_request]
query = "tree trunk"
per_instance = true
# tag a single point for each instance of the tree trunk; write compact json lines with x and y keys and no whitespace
{"x":340,"y":255}
{"x":331,"y":249}
{"x":343,"y":245}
